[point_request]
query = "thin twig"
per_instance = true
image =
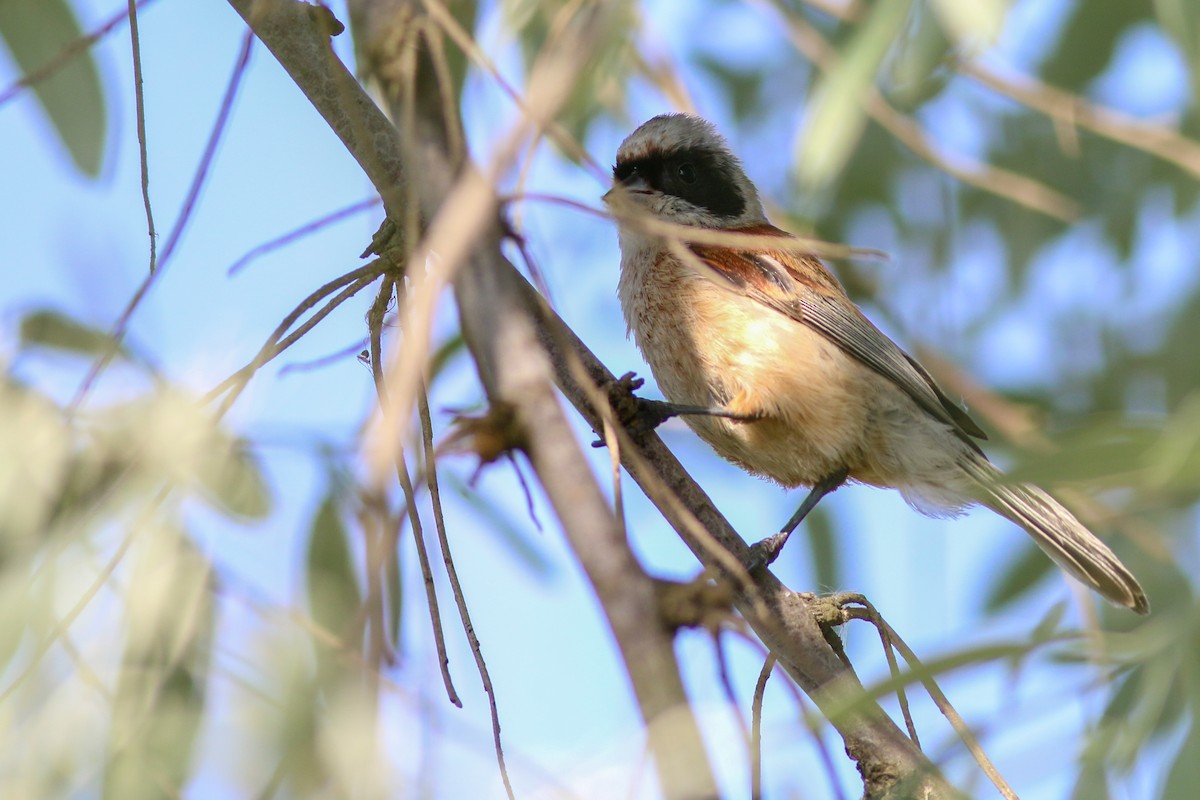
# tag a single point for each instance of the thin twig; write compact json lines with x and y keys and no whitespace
{"x":526,"y":491}
{"x":810,"y":720}
{"x":320,"y":362}
{"x":210,"y":147}
{"x":883,"y":752}
{"x":756,"y":707}
{"x":1013,"y":186}
{"x":688,"y":233}
{"x":731,"y":695}
{"x":62,"y":625}
{"x":65,"y":55}
{"x":463,"y":38}
{"x":460,"y":599}
{"x":1075,"y":111}
{"x":274,"y":345}
{"x":300,"y":232}
{"x":375,"y":324}
{"x":117,"y":335}
{"x":870,"y":614}
{"x":140,"y":107}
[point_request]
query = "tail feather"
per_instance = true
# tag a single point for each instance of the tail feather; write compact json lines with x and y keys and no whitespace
{"x":1062,"y":537}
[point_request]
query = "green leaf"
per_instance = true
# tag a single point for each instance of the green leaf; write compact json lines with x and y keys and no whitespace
{"x":56,"y":330}
{"x":743,"y":88}
{"x":394,"y":581}
{"x":601,"y":82}
{"x":1108,"y":450}
{"x":334,"y":596}
{"x":445,"y":353}
{"x":836,"y":116}
{"x":974,"y":26}
{"x":914,"y":70}
{"x":36,"y":31}
{"x":233,"y":480}
{"x":528,"y":553}
{"x":1015,"y":580}
{"x":1089,"y":38}
{"x":1092,"y":783}
{"x":1184,"y":776}
{"x":159,"y":702}
{"x":822,"y":545}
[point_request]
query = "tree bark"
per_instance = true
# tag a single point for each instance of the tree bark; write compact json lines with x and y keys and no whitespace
{"x":502,"y":316}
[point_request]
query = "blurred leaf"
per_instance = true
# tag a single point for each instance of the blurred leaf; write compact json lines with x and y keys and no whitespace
{"x":602,"y":80}
{"x":444,"y":354}
{"x":234,"y":482}
{"x":528,"y":554}
{"x":1107,"y":449}
{"x":1089,"y":38}
{"x":1016,"y":579}
{"x":36,"y":463}
{"x":1181,"y":368}
{"x":1184,"y":777}
{"x":826,"y":566}
{"x":835,"y":117}
{"x":1178,"y":18}
{"x":394,"y":578}
{"x":334,"y":597}
{"x":915,"y":66}
{"x":1173,"y":462}
{"x":59,"y":331}
{"x":866,"y":182}
{"x":465,"y":13}
{"x":160,"y":697}
{"x":974,"y":26}
{"x":1092,"y":783}
{"x":743,"y":88}
{"x":35,"y":33}
{"x":297,"y":728}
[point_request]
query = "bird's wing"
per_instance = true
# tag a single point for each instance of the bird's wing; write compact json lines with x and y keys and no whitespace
{"x":800,"y":287}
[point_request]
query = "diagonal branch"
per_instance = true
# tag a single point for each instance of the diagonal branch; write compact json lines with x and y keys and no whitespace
{"x":512,"y":321}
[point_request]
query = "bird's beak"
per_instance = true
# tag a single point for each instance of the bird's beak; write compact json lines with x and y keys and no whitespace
{"x":635,"y":184}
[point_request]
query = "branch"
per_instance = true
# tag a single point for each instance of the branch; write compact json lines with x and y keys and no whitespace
{"x":506,"y":320}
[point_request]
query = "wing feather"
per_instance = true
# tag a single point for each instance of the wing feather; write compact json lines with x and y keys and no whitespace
{"x":800,"y":287}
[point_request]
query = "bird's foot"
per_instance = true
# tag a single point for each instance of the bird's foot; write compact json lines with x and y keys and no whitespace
{"x":764,"y":552}
{"x":641,"y":416}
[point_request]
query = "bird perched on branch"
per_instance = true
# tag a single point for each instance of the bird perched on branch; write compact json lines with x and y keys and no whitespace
{"x":758,"y":346}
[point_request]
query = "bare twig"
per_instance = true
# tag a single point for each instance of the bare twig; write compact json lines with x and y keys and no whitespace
{"x":300,"y":232}
{"x":460,"y":599}
{"x":117,"y":335}
{"x":882,"y":751}
{"x":357,"y":280}
{"x":375,"y":325}
{"x":870,"y":614}
{"x":1073,"y":110}
{"x":756,"y":706}
{"x":1013,"y":186}
{"x":140,"y":109}
{"x":731,"y":695}
{"x":69,"y":52}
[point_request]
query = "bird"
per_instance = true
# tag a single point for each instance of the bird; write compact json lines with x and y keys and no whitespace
{"x":755,"y":343}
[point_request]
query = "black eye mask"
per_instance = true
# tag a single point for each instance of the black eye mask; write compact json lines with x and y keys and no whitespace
{"x":698,"y":176}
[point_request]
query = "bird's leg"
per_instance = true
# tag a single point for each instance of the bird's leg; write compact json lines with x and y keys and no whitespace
{"x":766,"y":551}
{"x":641,"y":416}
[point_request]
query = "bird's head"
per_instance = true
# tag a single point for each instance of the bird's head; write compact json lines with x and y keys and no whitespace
{"x":679,"y":169}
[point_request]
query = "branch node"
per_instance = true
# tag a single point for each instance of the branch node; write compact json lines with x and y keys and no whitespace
{"x":699,"y":603}
{"x":489,"y":436}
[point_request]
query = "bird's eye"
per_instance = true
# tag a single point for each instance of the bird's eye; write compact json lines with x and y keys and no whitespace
{"x":686,"y":172}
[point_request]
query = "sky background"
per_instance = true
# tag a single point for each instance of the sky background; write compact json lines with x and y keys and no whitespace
{"x":80,"y":245}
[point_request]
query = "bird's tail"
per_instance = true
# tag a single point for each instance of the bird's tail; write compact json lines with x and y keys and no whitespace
{"x":1064,"y":538}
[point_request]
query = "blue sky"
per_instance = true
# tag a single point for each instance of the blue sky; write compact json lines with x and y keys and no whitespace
{"x":80,"y":245}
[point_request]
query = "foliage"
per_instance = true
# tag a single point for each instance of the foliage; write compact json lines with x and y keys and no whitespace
{"x":1049,"y":229}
